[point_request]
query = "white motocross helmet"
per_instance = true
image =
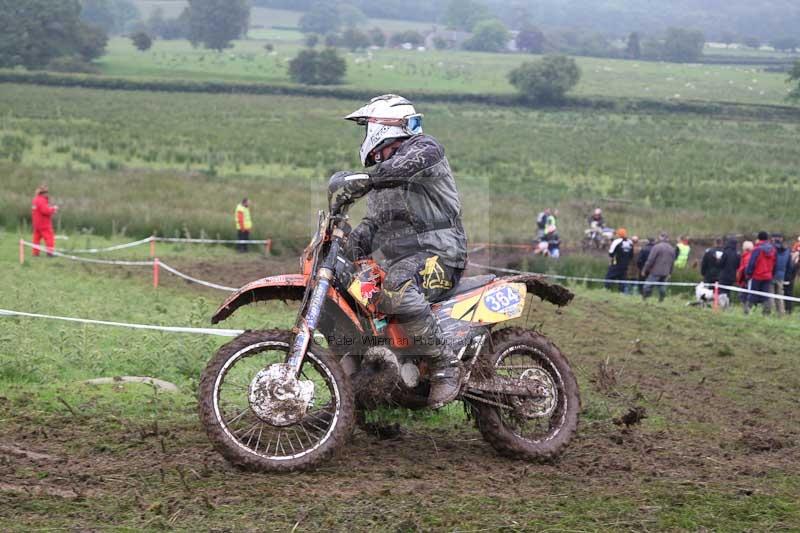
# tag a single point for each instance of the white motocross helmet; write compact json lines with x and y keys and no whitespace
{"x":387,"y":118}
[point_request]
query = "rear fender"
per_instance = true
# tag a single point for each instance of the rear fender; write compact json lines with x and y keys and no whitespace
{"x":284,"y":287}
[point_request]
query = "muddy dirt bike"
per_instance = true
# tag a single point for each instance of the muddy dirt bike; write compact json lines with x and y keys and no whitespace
{"x":280,"y":401}
{"x":597,"y":238}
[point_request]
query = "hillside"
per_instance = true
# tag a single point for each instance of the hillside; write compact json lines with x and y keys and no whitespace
{"x":766,"y":20}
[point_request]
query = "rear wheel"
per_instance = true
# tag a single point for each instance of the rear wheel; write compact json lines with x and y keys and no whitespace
{"x":240,"y":406}
{"x":536,"y":428}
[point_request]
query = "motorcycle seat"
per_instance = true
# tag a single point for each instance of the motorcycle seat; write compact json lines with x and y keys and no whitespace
{"x":466,"y":285}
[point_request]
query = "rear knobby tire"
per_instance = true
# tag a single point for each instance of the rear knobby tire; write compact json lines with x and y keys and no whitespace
{"x":243,"y":456}
{"x":563,"y":422}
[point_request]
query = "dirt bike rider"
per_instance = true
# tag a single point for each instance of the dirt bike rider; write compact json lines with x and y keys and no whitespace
{"x":414,"y":219}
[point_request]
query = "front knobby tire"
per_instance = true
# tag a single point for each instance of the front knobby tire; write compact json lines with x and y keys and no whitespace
{"x":250,"y":443}
{"x":541,"y":439}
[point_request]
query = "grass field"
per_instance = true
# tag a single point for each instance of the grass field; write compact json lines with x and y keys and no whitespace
{"x":167,"y":160}
{"x":716,"y":451}
{"x":451,"y":71}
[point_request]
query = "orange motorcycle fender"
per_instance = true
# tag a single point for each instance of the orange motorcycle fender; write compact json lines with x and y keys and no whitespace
{"x":283,"y":287}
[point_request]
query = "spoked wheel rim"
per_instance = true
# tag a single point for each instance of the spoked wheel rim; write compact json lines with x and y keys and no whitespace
{"x":248,"y":431}
{"x":534,"y":419}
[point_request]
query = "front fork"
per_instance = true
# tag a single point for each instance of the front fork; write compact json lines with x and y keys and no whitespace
{"x":308,"y":323}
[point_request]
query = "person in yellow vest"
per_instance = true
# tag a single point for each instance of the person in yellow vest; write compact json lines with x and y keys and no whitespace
{"x":682,"y":250}
{"x":243,"y":224}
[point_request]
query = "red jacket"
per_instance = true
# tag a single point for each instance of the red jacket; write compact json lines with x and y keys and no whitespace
{"x":42,"y":212}
{"x":761,"y":265}
{"x":741,"y":280}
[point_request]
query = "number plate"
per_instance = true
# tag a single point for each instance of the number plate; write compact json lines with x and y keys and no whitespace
{"x":502,"y":300}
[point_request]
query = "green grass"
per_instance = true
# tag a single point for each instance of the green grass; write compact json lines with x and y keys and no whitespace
{"x":390,"y":70}
{"x":167,"y":161}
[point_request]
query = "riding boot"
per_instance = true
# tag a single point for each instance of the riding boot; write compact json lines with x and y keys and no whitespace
{"x":445,"y":367}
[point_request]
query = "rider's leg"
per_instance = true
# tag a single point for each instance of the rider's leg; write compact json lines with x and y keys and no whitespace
{"x":408,"y":286}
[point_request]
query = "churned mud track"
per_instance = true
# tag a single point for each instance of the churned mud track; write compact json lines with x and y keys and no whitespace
{"x":75,"y":458}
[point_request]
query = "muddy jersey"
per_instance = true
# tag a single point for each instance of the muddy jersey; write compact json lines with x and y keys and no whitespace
{"x":414,"y":206}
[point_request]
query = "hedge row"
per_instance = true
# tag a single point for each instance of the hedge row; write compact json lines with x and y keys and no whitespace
{"x":629,"y":105}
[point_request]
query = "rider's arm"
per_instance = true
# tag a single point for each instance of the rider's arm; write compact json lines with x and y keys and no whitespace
{"x":359,"y":243}
{"x":408,"y":163}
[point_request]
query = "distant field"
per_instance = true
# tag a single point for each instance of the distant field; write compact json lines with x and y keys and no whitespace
{"x":261,"y":17}
{"x":682,"y":172}
{"x":450,"y":71}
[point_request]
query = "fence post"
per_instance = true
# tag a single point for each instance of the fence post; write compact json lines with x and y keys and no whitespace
{"x":268,"y":247}
{"x":21,"y":252}
{"x":152,"y":246}
{"x":155,"y":273}
{"x":716,"y":295}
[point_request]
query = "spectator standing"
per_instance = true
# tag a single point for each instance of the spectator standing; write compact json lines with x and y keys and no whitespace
{"x":243,"y":224}
{"x":711,"y":264}
{"x":42,"y":217}
{"x":658,"y":267}
{"x":621,"y":254}
{"x":783,"y":257}
{"x":759,"y":271}
{"x":682,"y":251}
{"x":633,"y":272}
{"x":541,"y":223}
{"x":791,"y":275}
{"x":551,"y":225}
{"x":728,"y":265}
{"x":741,"y":278}
{"x":641,"y":260}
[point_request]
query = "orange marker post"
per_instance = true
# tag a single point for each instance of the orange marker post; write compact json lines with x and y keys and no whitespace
{"x":21,"y":252}
{"x":152,"y":246}
{"x":716,"y":295}
{"x":268,"y":247}
{"x":155,"y":273}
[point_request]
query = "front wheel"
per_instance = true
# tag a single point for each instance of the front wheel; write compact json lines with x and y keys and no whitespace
{"x":259,"y":423}
{"x":533,"y":428}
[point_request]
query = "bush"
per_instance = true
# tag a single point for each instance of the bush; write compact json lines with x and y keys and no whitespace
{"x":355,"y":39}
{"x":683,"y":45}
{"x":142,"y":41}
{"x":312,"y":40}
{"x":310,"y":67}
{"x":546,"y":80}
{"x":412,"y":37}
{"x":74,"y":64}
{"x":377,"y":37}
{"x":489,"y":36}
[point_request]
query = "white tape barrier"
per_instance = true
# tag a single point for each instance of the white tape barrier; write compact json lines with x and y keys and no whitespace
{"x":112,"y":248}
{"x":86,"y":259}
{"x":208,"y":241}
{"x":635,"y":282}
{"x":163,"y":239}
{"x":161,"y":264}
{"x":195,"y":280}
{"x":169,"y":329}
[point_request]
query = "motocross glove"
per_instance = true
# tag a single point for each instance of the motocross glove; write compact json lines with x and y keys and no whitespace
{"x":346,"y":187}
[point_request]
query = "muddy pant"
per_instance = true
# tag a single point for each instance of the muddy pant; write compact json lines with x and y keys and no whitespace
{"x":410,"y":285}
{"x":777,"y":289}
{"x":242,"y":235}
{"x":648,"y":287}
{"x":788,"y":290}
